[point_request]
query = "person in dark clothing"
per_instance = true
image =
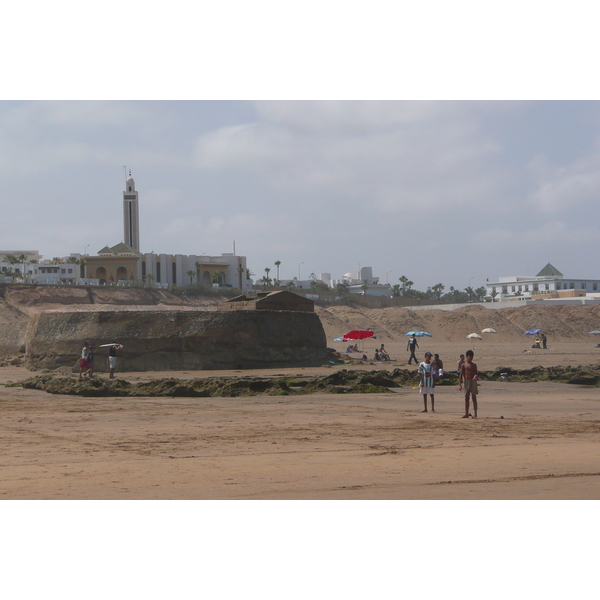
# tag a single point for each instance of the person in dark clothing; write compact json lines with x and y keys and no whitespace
{"x":412,"y":346}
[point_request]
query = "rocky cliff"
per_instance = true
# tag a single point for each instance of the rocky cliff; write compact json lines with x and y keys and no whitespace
{"x":178,"y":340}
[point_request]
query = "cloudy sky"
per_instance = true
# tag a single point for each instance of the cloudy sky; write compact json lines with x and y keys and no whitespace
{"x":439,"y":191}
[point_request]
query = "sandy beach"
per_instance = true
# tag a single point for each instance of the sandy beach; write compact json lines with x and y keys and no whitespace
{"x":531,"y":441}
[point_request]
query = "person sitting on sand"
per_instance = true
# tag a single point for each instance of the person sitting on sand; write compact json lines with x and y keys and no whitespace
{"x":350,"y":349}
{"x":426,"y":383}
{"x":377,"y":357}
{"x":383,"y":353}
{"x":468,"y":375}
{"x":355,"y":348}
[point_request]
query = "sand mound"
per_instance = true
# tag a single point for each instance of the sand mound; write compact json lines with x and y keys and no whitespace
{"x":558,"y":322}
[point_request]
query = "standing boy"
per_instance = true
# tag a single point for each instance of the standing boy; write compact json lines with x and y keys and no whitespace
{"x":412,"y":346}
{"x":426,"y":383}
{"x":468,"y":375}
{"x":112,"y":359}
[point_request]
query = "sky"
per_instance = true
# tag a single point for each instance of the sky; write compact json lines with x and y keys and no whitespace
{"x":450,"y":191}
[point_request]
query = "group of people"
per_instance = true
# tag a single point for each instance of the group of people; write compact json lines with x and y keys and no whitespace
{"x":86,"y":362}
{"x":429,"y":373}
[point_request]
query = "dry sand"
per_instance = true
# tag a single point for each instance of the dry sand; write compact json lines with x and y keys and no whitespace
{"x":372,"y":446}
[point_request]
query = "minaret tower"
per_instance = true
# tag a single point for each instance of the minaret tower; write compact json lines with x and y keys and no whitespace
{"x":131,"y":219}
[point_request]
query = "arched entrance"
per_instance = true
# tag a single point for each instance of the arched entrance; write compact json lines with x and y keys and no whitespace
{"x":101,"y":275}
{"x":121,"y":273}
{"x":206,"y":279}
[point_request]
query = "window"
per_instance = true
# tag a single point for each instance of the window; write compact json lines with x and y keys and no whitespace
{"x":63,"y":271}
{"x":513,"y":288}
{"x":558,"y":286}
{"x":571,"y":286}
{"x":583,"y":285}
{"x":595,"y":287}
{"x":527,"y":288}
{"x":504,"y":289}
{"x":535,"y":287}
{"x":70,"y":270}
{"x":520,"y":288}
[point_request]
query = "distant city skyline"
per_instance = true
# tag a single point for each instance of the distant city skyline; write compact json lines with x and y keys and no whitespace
{"x":437,"y":191}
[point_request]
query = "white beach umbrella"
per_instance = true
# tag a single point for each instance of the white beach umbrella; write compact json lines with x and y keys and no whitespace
{"x":474,"y":335}
{"x":489,"y":330}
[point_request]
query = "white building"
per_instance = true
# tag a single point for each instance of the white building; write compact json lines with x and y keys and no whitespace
{"x":549,"y":282}
{"x":15,"y":269}
{"x":227,"y":270}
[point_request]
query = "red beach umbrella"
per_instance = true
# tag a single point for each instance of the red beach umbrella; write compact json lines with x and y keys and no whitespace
{"x":357,"y":334}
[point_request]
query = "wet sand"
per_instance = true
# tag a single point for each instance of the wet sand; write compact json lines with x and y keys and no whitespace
{"x":531,"y":441}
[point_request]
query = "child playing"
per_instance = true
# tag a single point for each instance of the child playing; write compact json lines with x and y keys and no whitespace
{"x":468,"y":374}
{"x":426,"y":383}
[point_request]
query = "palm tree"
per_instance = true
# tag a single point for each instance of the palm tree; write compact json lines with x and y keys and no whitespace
{"x":437,"y":290}
{"x":240,"y":271}
{"x":22,"y":259}
{"x":277,"y":263}
{"x":403,"y":280}
{"x":191,"y":274}
{"x":396,"y":290}
{"x":266,"y":278}
{"x":12,"y":260}
{"x":82,"y":262}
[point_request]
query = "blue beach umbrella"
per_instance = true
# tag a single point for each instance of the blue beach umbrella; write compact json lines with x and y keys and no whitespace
{"x":419,"y":333}
{"x":532,"y":332}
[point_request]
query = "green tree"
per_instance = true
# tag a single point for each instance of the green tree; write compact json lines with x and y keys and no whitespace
{"x":191,"y":274}
{"x":12,"y":260}
{"x":437,"y":290}
{"x":403,"y":280}
{"x":266,"y":279}
{"x":396,"y":290}
{"x":341,"y":288}
{"x":480,"y":292}
{"x":470,"y":291}
{"x":277,"y":263}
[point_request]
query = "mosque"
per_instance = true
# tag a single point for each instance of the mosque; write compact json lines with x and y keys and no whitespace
{"x":125,"y":263}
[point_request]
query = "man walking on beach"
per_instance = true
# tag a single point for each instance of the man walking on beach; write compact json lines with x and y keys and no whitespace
{"x":468,"y":375}
{"x":412,"y":346}
{"x":426,"y":382}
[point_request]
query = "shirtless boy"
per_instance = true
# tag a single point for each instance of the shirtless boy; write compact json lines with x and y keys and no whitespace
{"x":468,"y":374}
